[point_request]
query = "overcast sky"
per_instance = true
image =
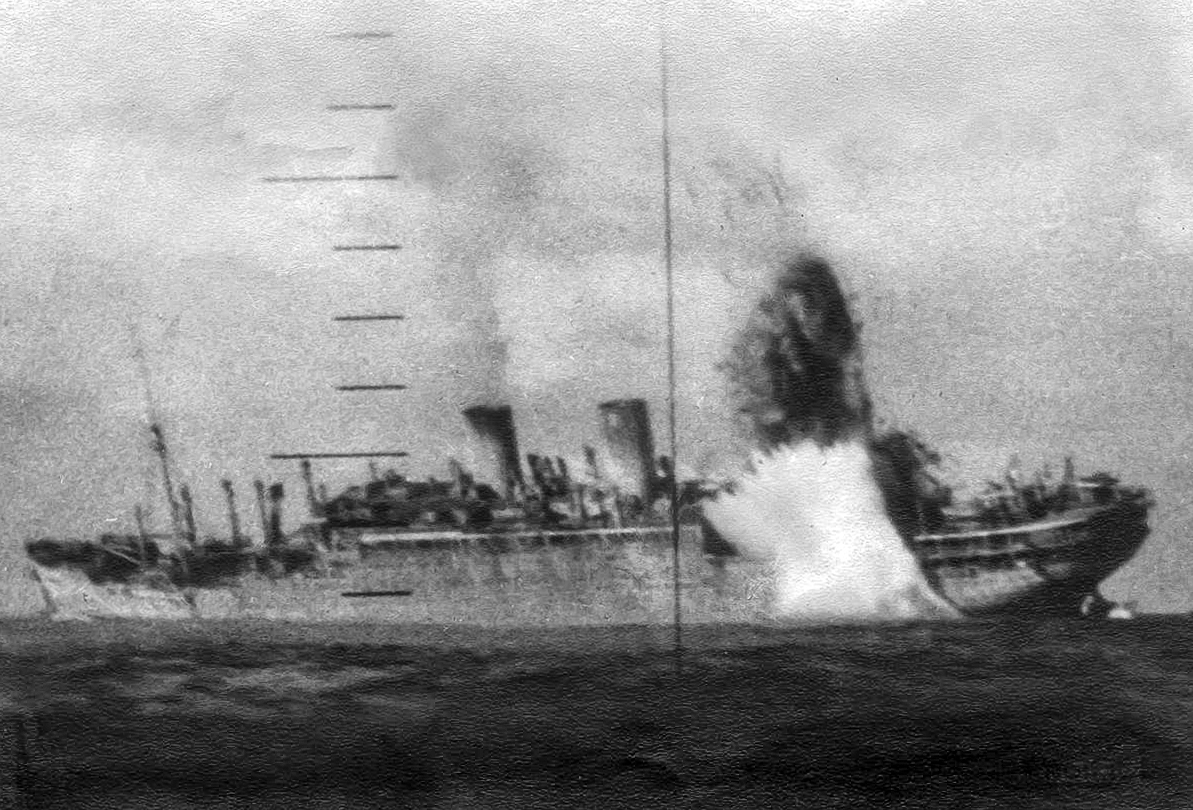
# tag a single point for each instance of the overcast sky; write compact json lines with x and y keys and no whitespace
{"x":1004,"y":188}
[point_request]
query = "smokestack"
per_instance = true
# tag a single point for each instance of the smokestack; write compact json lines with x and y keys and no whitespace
{"x":625,"y":424}
{"x":498,"y":459}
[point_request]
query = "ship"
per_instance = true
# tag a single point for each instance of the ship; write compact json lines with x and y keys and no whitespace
{"x":1018,"y":549}
{"x":1035,"y":547}
{"x":622,"y":539}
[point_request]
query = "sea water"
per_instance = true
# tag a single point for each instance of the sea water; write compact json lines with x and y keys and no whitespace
{"x":1058,"y":713}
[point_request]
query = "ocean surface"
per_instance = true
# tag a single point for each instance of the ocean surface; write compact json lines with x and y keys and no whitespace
{"x":277,"y":715}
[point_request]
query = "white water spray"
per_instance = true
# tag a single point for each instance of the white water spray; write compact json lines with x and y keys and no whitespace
{"x":816,"y":516}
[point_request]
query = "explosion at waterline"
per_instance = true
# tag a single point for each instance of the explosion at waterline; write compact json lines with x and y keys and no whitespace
{"x":810,"y":504}
{"x":816,"y":515}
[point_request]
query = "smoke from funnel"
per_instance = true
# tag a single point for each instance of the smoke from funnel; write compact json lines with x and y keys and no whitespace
{"x":811,"y":506}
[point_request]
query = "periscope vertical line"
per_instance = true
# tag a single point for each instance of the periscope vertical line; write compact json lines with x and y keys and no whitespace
{"x":670,"y":280}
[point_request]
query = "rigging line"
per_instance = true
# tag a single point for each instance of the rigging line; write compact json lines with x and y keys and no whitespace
{"x":143,"y":367}
{"x":139,"y":357}
{"x":670,"y":280}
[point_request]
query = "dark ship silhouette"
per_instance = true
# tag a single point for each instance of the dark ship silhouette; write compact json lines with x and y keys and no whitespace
{"x":1040,"y":546}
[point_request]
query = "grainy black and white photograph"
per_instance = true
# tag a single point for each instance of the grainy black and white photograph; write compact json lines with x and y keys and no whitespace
{"x":644,"y":403}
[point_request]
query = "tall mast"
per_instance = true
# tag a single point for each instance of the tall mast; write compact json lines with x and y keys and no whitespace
{"x":259,"y":486}
{"x":159,"y":440}
{"x":159,"y":447}
{"x":188,"y":514}
{"x":233,"y":517}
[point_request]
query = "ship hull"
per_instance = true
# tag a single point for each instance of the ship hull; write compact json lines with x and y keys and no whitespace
{"x":1048,"y":566}
{"x":617,"y":576}
{"x":1045,"y":566}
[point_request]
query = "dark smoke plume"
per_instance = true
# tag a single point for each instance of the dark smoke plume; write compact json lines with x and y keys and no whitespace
{"x":796,"y":367}
{"x":797,"y":372}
